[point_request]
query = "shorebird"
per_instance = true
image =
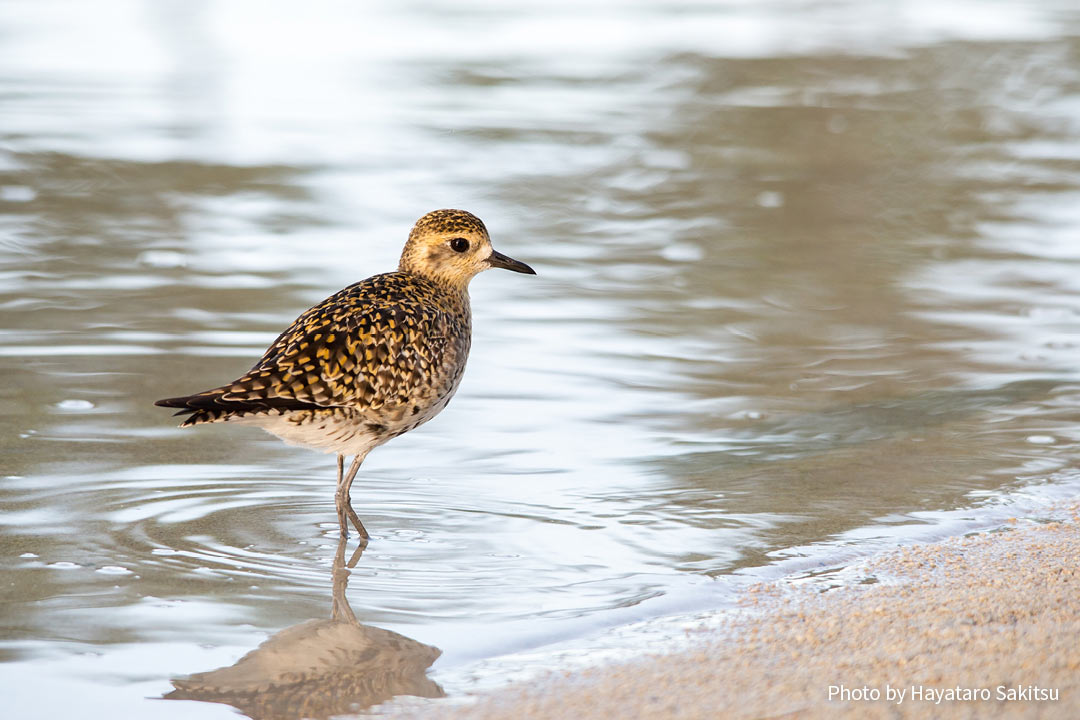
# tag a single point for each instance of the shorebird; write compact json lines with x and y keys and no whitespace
{"x":373,"y":361}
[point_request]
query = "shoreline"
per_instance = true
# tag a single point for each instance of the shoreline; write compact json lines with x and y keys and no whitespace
{"x":980,"y":625}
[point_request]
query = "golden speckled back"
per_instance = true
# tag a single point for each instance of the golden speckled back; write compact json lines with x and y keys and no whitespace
{"x":392,"y":340}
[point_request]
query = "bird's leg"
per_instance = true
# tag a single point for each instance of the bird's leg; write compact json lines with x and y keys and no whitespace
{"x":338,"y":495}
{"x":344,"y":500}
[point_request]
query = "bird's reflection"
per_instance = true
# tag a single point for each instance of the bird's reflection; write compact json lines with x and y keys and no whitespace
{"x":319,"y":668}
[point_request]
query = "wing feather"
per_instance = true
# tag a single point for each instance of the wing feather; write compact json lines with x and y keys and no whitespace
{"x":368,"y":345}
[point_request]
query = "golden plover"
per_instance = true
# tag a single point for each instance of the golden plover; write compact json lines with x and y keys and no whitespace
{"x":370,"y":362}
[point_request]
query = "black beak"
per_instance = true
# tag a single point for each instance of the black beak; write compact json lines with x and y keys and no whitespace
{"x":498,"y":260}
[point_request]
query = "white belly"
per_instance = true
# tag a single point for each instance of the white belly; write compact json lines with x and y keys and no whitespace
{"x":322,"y":431}
{"x":341,"y":431}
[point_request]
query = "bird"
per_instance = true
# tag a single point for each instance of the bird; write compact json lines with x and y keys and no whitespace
{"x":372,"y":361}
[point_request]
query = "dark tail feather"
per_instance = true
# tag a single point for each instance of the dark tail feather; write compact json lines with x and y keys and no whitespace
{"x":176,"y":402}
{"x":215,"y":401}
{"x":213,"y":405}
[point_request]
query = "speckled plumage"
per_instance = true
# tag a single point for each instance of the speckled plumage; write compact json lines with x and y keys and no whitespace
{"x":370,"y":362}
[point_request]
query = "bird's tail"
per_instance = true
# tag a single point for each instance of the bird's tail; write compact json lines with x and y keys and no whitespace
{"x":220,"y":404}
{"x":200,"y":408}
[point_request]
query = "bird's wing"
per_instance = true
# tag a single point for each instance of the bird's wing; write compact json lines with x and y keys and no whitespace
{"x":357,"y":348}
{"x":351,"y":350}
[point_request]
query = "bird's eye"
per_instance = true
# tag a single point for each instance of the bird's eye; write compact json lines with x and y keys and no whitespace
{"x":459,"y":244}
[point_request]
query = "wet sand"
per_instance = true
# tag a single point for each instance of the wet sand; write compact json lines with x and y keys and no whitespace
{"x":983,"y":626}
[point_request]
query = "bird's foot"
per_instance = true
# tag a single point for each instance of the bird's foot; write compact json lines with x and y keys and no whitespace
{"x":346,"y":514}
{"x":356,"y":522}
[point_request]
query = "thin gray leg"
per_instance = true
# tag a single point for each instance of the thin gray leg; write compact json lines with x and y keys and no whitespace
{"x":343,"y":500}
{"x":338,"y":494}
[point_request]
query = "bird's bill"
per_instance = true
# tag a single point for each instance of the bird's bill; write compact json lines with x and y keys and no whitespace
{"x":498,"y":260}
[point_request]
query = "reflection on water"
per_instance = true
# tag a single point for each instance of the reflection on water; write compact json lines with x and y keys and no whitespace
{"x":808,"y":274}
{"x":319,"y":668}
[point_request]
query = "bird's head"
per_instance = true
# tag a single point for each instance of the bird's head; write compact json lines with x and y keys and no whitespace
{"x":451,"y":247}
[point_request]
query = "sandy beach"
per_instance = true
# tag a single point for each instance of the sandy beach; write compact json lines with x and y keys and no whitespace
{"x":981,"y":626}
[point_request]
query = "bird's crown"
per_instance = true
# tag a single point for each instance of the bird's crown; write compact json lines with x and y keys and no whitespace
{"x":448,"y":221}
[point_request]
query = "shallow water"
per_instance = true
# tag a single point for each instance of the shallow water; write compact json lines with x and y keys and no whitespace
{"x":808,"y":272}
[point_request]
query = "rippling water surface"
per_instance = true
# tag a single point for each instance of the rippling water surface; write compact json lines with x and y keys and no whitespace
{"x":809,"y":273}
